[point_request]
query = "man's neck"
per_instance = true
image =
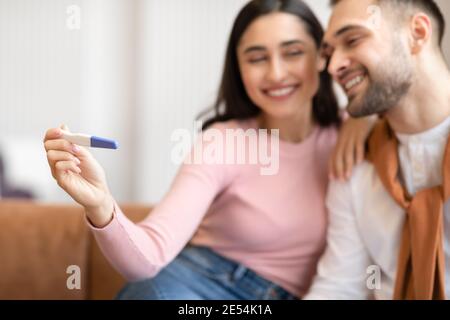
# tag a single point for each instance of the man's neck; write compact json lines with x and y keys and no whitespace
{"x":425,"y":107}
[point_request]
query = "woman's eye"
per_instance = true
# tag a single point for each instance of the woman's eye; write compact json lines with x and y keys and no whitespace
{"x":295,"y":53}
{"x":257,"y":59}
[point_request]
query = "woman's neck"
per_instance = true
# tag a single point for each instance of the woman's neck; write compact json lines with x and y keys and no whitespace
{"x":292,"y":129}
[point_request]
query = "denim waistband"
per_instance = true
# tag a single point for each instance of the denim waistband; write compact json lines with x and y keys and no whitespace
{"x":233,"y":274}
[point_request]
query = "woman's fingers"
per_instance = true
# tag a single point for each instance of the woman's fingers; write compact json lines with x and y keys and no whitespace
{"x":52,"y":134}
{"x":349,"y":159}
{"x":53,"y":156}
{"x":360,"y":151}
{"x":61,"y":145}
{"x":61,"y":167}
{"x":75,"y":169}
{"x":346,"y":154}
{"x":337,"y":162}
{"x":354,"y":154}
{"x":351,"y":146}
{"x":331,"y":169}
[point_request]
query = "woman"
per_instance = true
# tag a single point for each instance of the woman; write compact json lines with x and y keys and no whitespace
{"x":226,"y":231}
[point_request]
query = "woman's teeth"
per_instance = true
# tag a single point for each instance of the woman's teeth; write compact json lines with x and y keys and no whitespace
{"x":354,"y":82}
{"x":281,"y":92}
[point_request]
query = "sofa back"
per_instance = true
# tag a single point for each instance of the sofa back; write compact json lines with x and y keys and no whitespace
{"x":40,"y":242}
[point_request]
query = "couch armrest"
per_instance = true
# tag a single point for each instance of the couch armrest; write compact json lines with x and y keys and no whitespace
{"x":38,"y":242}
{"x":37,"y":245}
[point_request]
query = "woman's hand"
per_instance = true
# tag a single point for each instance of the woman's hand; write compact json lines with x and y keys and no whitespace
{"x":80,"y":175}
{"x":350,"y":147}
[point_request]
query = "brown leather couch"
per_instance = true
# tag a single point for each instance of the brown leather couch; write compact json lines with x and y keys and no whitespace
{"x":38,"y":242}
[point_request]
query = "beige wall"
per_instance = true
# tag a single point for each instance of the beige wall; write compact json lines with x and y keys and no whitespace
{"x":445,"y":7}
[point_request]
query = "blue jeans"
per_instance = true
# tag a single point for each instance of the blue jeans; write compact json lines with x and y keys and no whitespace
{"x":200,"y":274}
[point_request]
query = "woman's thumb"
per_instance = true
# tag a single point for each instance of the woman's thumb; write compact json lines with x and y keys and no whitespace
{"x":65,"y":127}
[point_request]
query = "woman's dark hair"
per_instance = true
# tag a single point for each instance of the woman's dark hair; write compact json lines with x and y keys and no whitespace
{"x":233,"y":102}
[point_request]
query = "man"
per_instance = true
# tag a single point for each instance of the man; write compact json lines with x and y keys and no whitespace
{"x":389,"y":232}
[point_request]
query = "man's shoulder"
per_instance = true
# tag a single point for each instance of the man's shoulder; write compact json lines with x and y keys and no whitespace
{"x":361,"y":193}
{"x":363,"y":187}
{"x":362,"y":174}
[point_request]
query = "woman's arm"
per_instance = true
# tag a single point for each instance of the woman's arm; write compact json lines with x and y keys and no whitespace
{"x":137,"y":251}
{"x":140,"y":251}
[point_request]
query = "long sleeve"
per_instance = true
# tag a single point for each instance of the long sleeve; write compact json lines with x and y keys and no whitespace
{"x":140,"y":251}
{"x":254,"y":219}
{"x":342,"y":269}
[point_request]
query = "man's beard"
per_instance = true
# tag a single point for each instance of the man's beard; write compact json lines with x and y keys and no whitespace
{"x":387,"y":85}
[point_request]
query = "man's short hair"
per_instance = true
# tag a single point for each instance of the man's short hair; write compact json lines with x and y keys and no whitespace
{"x":428,"y":6}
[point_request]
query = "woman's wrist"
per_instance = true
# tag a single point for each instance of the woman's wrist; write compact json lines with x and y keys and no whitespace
{"x":102,"y":215}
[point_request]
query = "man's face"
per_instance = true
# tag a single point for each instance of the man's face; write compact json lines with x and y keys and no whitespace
{"x":367,"y":57}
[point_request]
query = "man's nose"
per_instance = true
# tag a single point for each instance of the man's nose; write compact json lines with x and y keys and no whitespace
{"x":339,"y":62}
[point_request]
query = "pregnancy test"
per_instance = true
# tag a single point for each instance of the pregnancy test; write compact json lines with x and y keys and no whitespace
{"x":89,"y":141}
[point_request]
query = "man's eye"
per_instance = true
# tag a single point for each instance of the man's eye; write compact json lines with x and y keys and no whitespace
{"x":353,"y":41}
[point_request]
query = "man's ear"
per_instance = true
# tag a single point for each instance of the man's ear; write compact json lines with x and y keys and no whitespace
{"x":321,"y":63}
{"x":420,"y":32}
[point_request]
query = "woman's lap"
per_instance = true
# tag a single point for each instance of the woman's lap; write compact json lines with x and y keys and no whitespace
{"x":200,"y":274}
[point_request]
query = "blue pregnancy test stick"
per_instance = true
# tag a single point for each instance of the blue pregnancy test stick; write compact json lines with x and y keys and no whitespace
{"x":89,"y":141}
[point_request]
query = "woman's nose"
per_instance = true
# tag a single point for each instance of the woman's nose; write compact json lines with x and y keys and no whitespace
{"x":277,"y":70}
